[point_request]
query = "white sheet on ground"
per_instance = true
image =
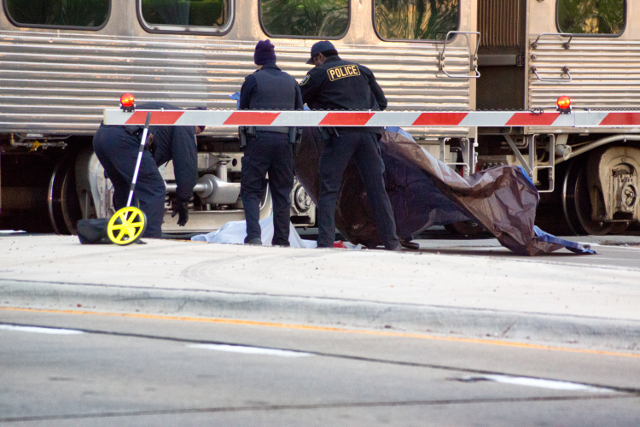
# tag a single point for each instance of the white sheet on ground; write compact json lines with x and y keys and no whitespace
{"x":236,"y":231}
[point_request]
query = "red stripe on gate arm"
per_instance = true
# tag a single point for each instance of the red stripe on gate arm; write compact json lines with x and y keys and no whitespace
{"x":442,"y":119}
{"x":531,"y":119}
{"x":346,"y":119}
{"x":621,"y":119}
{"x":157,"y":117}
{"x":241,"y":118}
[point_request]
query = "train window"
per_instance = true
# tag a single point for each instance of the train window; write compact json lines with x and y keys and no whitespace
{"x":186,"y":15}
{"x":592,"y":17}
{"x":305,"y":18}
{"x":89,"y":14}
{"x":416,"y":19}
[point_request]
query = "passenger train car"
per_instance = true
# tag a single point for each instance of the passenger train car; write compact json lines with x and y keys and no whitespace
{"x":62,"y":62}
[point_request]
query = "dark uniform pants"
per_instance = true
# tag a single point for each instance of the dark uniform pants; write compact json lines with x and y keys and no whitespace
{"x":362,"y":148}
{"x":268,"y":152}
{"x":117,"y":151}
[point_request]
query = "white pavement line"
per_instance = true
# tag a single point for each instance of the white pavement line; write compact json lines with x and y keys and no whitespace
{"x":542,"y":383}
{"x":250,"y":350}
{"x":35,"y":329}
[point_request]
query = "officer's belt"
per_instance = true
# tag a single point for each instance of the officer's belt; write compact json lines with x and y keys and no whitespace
{"x":276,"y":129}
{"x":133,"y":130}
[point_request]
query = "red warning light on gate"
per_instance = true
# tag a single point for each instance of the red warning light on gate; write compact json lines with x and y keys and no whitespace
{"x":564,"y":104}
{"x":127,"y":102}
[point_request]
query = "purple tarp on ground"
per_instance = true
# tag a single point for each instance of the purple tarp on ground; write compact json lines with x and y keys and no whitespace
{"x":426,"y":192}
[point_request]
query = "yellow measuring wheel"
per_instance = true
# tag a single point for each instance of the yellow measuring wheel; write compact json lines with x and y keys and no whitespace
{"x":126,"y":226}
{"x":129,"y":223}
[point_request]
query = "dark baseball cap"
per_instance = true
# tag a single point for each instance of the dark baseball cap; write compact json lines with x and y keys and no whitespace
{"x":322,"y":46}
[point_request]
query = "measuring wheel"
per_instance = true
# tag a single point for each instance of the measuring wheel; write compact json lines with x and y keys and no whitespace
{"x":126,"y":226}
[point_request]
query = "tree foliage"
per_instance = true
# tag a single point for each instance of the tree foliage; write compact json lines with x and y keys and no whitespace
{"x":591,"y":16}
{"x":71,"y":13}
{"x":416,"y":19}
{"x":310,"y":18}
{"x":208,"y":13}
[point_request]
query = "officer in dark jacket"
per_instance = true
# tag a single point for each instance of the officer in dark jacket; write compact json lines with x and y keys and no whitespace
{"x":117,"y":149}
{"x":268,"y":149}
{"x":335,"y":84}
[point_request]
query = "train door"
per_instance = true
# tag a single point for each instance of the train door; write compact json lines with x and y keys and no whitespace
{"x":501,"y":24}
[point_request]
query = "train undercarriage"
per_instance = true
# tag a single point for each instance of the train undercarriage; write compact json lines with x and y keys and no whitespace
{"x":587,"y":184}
{"x":68,"y":183}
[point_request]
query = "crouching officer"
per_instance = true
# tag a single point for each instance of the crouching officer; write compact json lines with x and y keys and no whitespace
{"x":117,"y":149}
{"x":335,"y":84}
{"x":268,"y":149}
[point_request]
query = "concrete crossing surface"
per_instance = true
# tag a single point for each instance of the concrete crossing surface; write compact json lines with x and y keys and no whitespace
{"x":457,"y":287}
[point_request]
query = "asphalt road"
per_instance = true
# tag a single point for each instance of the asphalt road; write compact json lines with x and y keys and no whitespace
{"x":142,"y":370}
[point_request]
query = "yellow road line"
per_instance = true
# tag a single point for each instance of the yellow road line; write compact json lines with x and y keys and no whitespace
{"x":329,"y":329}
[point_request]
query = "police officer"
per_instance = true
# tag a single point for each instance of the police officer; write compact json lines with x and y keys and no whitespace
{"x":268,"y":149}
{"x":117,"y":149}
{"x":335,"y":84}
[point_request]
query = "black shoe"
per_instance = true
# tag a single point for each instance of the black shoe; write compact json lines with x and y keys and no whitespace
{"x":255,"y":241}
{"x":409,"y":245}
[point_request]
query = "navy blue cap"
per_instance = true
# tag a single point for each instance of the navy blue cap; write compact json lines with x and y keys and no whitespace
{"x":265,"y":53}
{"x":322,"y":46}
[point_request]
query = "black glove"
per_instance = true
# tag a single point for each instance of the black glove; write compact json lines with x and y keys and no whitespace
{"x":182,"y":210}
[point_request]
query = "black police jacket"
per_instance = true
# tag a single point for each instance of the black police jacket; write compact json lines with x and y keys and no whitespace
{"x":270,"y":88}
{"x":177,"y":143}
{"x":342,"y":85}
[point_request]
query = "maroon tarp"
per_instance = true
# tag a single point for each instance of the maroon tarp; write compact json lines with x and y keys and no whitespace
{"x":426,"y":192}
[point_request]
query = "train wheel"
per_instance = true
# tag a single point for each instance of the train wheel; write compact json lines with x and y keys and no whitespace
{"x":126,"y":226}
{"x":619,"y":228}
{"x":576,"y":203}
{"x":568,"y":199}
{"x":465,"y":228}
{"x":62,"y":198}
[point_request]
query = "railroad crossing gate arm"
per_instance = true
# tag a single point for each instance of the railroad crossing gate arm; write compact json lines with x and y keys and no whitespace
{"x":233,"y":118}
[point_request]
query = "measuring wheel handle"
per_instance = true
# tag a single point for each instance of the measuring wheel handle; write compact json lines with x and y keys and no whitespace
{"x":127,"y":226}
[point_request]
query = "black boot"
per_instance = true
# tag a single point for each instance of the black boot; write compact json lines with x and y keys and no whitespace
{"x":409,"y":244}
